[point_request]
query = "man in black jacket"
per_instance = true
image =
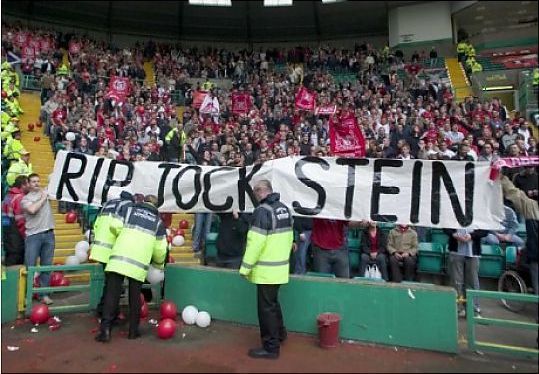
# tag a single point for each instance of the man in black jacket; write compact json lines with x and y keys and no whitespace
{"x":232,"y":238}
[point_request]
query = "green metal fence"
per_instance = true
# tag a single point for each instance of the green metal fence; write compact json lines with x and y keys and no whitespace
{"x":95,"y":287}
{"x":473,"y":320}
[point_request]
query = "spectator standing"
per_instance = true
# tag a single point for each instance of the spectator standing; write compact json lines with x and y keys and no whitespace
{"x":330,"y":247}
{"x":464,"y":253}
{"x":39,"y":230}
{"x":303,"y":227}
{"x":232,"y":238}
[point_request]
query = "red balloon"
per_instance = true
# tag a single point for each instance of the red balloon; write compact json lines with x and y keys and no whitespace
{"x":168,"y":310}
{"x":180,"y":232}
{"x":64,"y":282}
{"x":30,"y":127}
{"x":166,"y":328}
{"x":144,"y":310}
{"x":56,"y":278}
{"x":37,"y":138}
{"x":4,"y":94}
{"x":40,"y":314}
{"x":184,"y":224}
{"x":71,"y":217}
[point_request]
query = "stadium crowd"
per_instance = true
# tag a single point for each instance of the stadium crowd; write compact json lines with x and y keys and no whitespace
{"x":406,"y":116}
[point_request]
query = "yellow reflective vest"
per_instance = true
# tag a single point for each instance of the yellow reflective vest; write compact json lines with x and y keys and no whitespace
{"x":140,"y":240}
{"x":269,"y":242}
{"x":18,"y":168}
{"x":103,"y":237}
{"x":13,"y":148}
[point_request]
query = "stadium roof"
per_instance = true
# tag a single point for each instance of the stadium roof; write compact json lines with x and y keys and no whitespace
{"x":244,"y":21}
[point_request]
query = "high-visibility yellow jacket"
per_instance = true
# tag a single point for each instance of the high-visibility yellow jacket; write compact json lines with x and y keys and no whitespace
{"x":269,"y":242}
{"x":13,"y":148}
{"x":140,"y":240}
{"x":535,"y":76}
{"x":103,"y":238}
{"x":18,"y":168}
{"x":462,"y":47}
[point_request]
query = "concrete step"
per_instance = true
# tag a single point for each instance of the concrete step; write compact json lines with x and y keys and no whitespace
{"x":62,"y":238}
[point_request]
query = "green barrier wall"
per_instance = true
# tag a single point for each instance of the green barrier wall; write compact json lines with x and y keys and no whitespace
{"x":10,"y":294}
{"x":411,"y":315}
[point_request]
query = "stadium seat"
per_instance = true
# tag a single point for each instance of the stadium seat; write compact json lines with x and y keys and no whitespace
{"x":492,"y":261}
{"x":430,"y":258}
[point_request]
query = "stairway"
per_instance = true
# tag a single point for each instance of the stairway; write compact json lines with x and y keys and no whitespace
{"x":459,"y":81}
{"x":184,"y":254}
{"x":150,"y":73}
{"x":42,"y":159}
{"x":69,"y":234}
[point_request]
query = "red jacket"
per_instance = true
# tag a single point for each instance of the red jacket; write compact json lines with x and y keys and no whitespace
{"x":11,"y":207}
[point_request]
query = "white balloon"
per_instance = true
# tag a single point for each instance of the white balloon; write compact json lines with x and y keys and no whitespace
{"x":178,"y":241}
{"x":72,"y":260}
{"x":160,"y":142}
{"x":83,"y":245}
{"x":155,"y":275}
{"x":70,"y":136}
{"x":82,"y":255}
{"x":203,"y":319}
{"x":189,"y":314}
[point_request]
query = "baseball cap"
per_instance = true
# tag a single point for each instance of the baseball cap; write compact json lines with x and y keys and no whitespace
{"x":24,"y":152}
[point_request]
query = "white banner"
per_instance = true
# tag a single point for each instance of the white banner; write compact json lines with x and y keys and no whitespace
{"x":451,"y":194}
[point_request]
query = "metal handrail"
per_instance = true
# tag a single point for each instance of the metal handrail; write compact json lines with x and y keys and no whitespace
{"x":473,"y":320}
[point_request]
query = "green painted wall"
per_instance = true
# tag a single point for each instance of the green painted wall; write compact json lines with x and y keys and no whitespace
{"x":10,"y":294}
{"x":411,"y":315}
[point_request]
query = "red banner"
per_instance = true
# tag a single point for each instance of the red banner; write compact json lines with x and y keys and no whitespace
{"x":512,"y":162}
{"x":325,"y":110}
{"x":119,"y":88}
{"x":345,"y":137}
{"x":198,"y":98}
{"x":241,"y":103}
{"x":305,"y":99}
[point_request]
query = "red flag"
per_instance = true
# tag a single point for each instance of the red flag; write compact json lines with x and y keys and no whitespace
{"x":241,"y":103}
{"x":198,"y":98}
{"x":305,"y":99}
{"x":119,"y":88}
{"x":345,"y":137}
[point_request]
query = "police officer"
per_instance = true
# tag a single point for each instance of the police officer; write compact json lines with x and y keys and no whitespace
{"x":103,"y":238}
{"x":140,"y":240}
{"x":265,"y":263}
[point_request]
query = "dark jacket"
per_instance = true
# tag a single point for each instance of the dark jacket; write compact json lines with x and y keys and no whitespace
{"x":366,"y":241}
{"x":452,"y":245}
{"x":232,"y":236}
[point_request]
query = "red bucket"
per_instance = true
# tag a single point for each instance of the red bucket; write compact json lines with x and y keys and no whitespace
{"x":328,"y":329}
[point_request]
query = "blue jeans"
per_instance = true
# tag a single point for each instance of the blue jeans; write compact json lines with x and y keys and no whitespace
{"x":201,"y":229}
{"x":332,"y":261}
{"x":300,"y":266}
{"x":40,"y":245}
{"x":493,"y":239}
